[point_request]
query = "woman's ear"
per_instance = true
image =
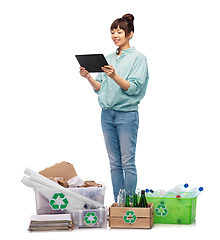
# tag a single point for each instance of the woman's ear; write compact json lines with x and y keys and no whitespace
{"x":131,"y":34}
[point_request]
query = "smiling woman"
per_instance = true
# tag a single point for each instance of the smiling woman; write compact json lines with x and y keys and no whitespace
{"x":120,"y":88}
{"x":122,"y":30}
{"x":126,"y":23}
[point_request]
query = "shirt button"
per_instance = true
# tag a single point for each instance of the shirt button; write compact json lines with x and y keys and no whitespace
{"x":108,"y":99}
{"x":110,"y":88}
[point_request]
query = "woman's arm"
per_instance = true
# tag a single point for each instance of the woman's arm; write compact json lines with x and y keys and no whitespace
{"x":84,"y":73}
{"x":110,"y":71}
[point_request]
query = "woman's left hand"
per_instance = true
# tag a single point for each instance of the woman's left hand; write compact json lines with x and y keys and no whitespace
{"x":109,"y":70}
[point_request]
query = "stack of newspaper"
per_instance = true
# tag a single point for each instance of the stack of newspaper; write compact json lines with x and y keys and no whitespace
{"x":51,"y":222}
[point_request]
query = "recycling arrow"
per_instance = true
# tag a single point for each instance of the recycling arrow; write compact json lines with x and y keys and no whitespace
{"x":129,"y":217}
{"x":90,"y":219}
{"x":55,"y":202}
{"x":161,"y":210}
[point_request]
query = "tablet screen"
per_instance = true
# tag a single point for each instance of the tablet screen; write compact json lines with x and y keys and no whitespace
{"x":92,"y":62}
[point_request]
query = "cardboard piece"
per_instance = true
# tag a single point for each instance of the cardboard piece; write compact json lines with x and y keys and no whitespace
{"x":91,"y":184}
{"x":63,"y":170}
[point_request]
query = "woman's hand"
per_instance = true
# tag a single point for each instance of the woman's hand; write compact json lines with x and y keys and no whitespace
{"x":84,"y":73}
{"x":109,"y":70}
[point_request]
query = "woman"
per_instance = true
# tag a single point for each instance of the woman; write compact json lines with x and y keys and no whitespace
{"x":120,"y":87}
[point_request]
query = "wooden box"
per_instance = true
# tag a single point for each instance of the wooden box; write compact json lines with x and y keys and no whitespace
{"x":129,"y":217}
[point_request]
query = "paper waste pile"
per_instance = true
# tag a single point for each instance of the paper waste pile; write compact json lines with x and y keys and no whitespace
{"x":57,"y":183}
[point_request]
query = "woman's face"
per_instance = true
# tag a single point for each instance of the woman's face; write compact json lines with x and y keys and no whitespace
{"x":119,"y":38}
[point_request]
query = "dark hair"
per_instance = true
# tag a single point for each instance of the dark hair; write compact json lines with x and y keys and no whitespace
{"x":126,"y":23}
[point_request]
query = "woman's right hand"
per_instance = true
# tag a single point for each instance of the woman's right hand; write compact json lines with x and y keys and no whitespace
{"x":84,"y":73}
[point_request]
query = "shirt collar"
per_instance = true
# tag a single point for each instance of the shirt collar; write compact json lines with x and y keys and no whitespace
{"x":126,"y":51}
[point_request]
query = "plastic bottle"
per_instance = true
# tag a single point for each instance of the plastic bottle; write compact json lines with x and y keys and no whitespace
{"x":181,"y":187}
{"x":172,"y":193}
{"x":122,"y":194}
{"x":158,"y":193}
{"x":193,"y":193}
{"x":121,"y":198}
{"x":119,"y":204}
{"x":149,"y":192}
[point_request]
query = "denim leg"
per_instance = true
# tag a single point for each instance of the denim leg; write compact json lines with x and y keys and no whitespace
{"x":120,"y":134}
{"x":113,"y":150}
{"x":127,"y":124}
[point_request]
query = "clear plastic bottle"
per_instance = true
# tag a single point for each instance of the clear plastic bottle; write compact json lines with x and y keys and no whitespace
{"x":121,"y":198}
{"x":181,"y":187}
{"x":193,"y":193}
{"x":172,"y":193}
{"x":122,"y":193}
{"x":158,"y":193}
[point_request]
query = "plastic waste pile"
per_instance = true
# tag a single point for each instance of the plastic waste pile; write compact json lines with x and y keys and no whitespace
{"x":179,"y":191}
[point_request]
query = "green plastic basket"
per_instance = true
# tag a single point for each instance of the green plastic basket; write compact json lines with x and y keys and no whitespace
{"x":173,"y":210}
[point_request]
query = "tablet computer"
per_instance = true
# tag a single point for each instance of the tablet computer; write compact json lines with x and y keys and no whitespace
{"x":92,"y":62}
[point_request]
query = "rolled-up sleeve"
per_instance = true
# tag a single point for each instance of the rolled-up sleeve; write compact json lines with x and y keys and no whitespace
{"x":99,"y":79}
{"x":138,"y":77}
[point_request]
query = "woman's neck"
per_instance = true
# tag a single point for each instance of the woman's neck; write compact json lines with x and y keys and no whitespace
{"x":124,"y":47}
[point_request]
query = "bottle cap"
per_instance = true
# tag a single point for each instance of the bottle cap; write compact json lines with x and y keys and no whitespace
{"x":186,"y":185}
{"x":201,"y":189}
{"x":142,"y":191}
{"x":147,"y":190}
{"x":178,"y":196}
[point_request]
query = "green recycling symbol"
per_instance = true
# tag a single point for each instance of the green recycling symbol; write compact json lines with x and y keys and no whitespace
{"x":56,"y":202}
{"x":90,"y":219}
{"x":129,"y":217}
{"x":161,"y":210}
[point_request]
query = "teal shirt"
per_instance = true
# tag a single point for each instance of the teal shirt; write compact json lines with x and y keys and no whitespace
{"x":131,"y":66}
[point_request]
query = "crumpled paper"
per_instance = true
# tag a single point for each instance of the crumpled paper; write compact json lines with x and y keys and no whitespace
{"x":75,"y":182}
{"x":60,"y":180}
{"x":78,"y":182}
{"x":91,"y":184}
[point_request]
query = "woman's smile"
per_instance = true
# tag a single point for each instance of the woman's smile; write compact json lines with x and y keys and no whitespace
{"x":120,"y":39}
{"x":116,"y":41}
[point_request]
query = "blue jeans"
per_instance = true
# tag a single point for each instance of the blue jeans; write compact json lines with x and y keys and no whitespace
{"x":120,"y":134}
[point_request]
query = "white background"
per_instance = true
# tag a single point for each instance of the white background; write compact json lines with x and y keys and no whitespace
{"x":50,"y":114}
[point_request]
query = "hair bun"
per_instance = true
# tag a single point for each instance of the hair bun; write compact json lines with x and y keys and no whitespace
{"x":129,"y":16}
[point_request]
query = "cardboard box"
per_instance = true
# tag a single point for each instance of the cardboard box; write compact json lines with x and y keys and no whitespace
{"x":63,"y":169}
{"x":129,"y":217}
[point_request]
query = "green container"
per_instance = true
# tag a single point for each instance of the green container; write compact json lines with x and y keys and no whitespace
{"x":173,"y":210}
